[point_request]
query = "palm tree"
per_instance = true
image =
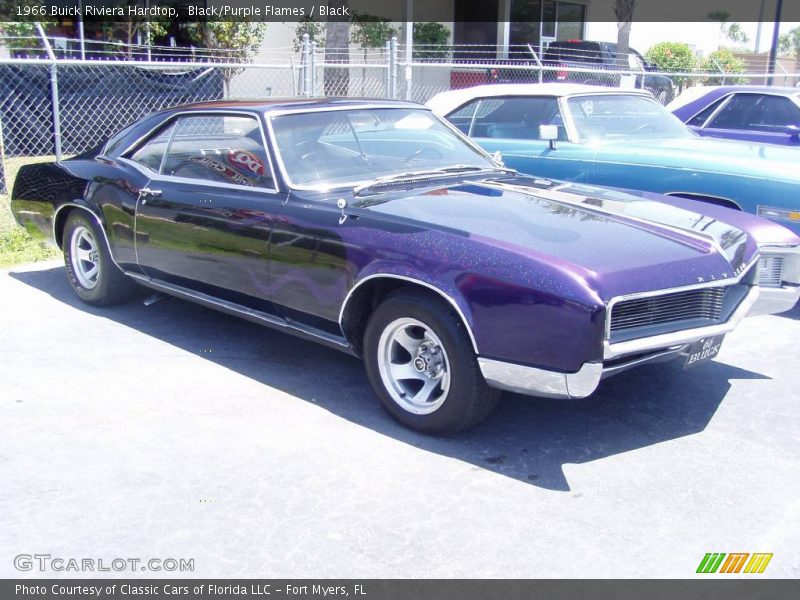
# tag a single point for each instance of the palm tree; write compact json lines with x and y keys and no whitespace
{"x":623,"y":9}
{"x":337,"y":50}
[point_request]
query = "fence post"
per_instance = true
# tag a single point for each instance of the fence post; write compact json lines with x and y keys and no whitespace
{"x":2,"y":160}
{"x":719,"y":68}
{"x":56,"y":110}
{"x":393,"y":67}
{"x":53,"y":92}
{"x":387,"y":76}
{"x":306,"y":87}
{"x":539,"y":64}
{"x":313,"y":69}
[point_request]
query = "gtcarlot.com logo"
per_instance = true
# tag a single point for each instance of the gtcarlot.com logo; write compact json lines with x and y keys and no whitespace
{"x":47,"y":562}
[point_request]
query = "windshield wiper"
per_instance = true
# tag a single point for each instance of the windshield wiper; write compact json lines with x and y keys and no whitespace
{"x":428,"y":174}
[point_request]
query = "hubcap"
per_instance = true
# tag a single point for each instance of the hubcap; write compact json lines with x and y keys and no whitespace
{"x":413,"y":365}
{"x":84,"y":257}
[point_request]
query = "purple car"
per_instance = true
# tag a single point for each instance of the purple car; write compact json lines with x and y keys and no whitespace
{"x":378,"y":229}
{"x":750,"y":113}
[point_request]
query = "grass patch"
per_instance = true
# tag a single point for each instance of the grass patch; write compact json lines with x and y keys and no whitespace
{"x":17,"y":246}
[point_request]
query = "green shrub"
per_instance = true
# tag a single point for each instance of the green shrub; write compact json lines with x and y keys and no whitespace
{"x":725,"y":59}
{"x":673,"y":57}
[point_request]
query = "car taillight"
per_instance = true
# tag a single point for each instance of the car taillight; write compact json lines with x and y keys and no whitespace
{"x":562,"y":75}
{"x":494,"y":73}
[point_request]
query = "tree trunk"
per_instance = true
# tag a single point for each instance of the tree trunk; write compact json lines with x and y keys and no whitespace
{"x":337,"y":50}
{"x":623,"y":9}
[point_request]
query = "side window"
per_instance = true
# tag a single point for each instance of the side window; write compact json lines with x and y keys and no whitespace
{"x":462,"y":117}
{"x":151,"y":154}
{"x":221,"y":148}
{"x":756,"y":112}
{"x":703,"y":115}
{"x":517,"y":118}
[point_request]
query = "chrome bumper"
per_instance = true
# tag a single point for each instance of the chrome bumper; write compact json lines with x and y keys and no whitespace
{"x":775,"y":300}
{"x":534,"y":381}
{"x":540,"y":382}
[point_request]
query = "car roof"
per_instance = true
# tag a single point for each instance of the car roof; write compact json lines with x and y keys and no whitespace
{"x":697,"y":97}
{"x":446,"y":101}
{"x":772,"y":89}
{"x":291,"y":103}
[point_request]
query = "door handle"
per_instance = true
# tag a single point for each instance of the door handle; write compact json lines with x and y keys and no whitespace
{"x":148,"y":192}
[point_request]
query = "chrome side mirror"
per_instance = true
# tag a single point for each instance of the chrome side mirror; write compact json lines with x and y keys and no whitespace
{"x":549,"y":133}
{"x":498,"y":159}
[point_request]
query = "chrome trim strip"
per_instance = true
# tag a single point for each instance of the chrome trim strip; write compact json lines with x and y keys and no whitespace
{"x":239,"y":310}
{"x":350,"y":184}
{"x":685,"y":336}
{"x":667,"y":354}
{"x":425,"y":284}
{"x":354,"y":106}
{"x":726,"y":98}
{"x":533,"y":381}
{"x":171,"y":117}
{"x":686,"y":288}
{"x":84,"y":208}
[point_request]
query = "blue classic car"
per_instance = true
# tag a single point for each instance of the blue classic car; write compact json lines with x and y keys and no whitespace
{"x":762,"y":114}
{"x":378,"y":229}
{"x":624,"y":139}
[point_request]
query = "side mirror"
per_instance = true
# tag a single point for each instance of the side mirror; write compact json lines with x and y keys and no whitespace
{"x":498,"y":158}
{"x":549,"y":133}
{"x":793,"y":131}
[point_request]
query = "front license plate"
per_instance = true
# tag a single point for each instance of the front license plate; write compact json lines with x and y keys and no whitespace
{"x":703,"y":351}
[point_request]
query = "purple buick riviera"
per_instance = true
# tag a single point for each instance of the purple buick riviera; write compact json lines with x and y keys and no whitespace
{"x":378,"y":229}
{"x":751,"y":113}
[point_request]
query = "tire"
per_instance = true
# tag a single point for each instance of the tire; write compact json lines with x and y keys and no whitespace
{"x":90,"y":270}
{"x":444,"y":392}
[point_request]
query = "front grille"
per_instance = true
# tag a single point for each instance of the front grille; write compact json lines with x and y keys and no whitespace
{"x":705,"y":303}
{"x":769,"y":271}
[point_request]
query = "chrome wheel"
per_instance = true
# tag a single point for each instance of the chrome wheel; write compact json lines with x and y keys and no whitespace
{"x":413,"y":366}
{"x":85,"y":257}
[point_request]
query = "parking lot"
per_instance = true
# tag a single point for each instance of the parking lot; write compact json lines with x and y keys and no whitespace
{"x":173,"y":431}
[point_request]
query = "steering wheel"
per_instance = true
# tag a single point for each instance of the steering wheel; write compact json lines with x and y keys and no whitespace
{"x":421,"y":151}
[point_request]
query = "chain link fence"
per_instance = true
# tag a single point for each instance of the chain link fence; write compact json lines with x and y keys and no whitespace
{"x":52,"y":103}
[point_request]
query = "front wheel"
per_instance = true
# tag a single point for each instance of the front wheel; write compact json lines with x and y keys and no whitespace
{"x":420,"y":362}
{"x":91,"y":272}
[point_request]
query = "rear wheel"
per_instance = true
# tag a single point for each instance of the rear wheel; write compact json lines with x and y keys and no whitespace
{"x":90,"y":270}
{"x":420,"y":362}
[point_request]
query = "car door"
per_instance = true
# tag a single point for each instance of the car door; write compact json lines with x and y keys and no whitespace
{"x":755,"y":118}
{"x":510,"y":125}
{"x":204,"y":220}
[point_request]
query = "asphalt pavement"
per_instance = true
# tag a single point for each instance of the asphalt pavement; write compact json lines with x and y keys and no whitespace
{"x":172,"y":431}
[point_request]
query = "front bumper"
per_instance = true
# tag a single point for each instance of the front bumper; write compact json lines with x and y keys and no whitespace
{"x":620,"y":356}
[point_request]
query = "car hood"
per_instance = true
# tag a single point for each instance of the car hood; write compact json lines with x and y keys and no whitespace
{"x":709,"y":154}
{"x":618,"y":243}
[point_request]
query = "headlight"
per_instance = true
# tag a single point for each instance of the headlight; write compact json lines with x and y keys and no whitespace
{"x":769,"y":270}
{"x":779,"y":265}
{"x":781,"y":214}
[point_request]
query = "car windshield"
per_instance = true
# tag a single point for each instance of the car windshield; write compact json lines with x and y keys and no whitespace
{"x":338,"y":148}
{"x":609,"y":117}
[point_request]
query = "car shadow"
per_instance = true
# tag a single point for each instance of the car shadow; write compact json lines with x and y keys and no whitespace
{"x":528,"y":439}
{"x":792,"y":314}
